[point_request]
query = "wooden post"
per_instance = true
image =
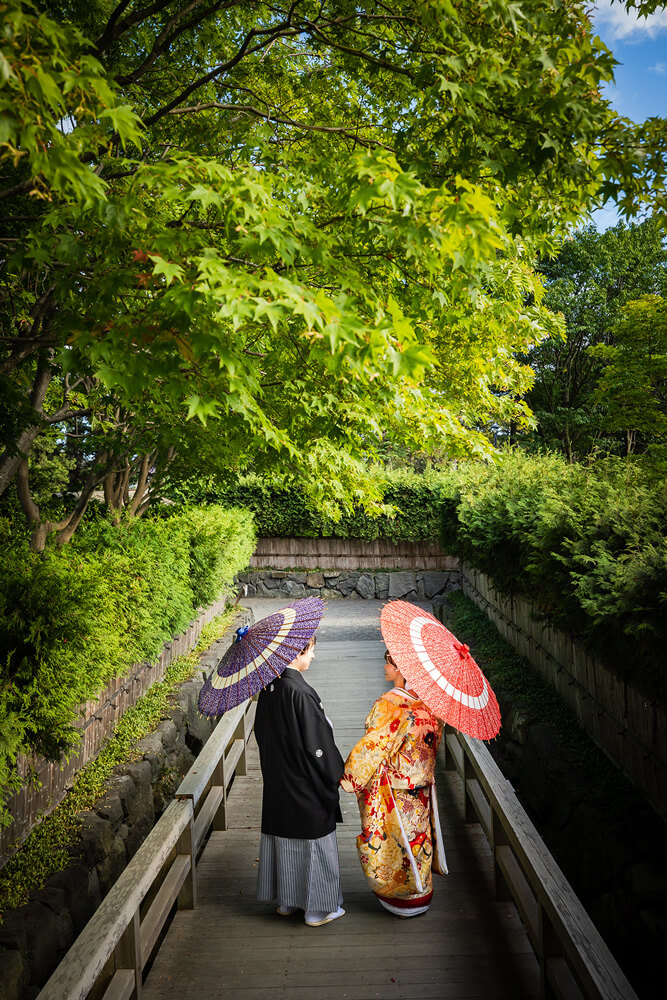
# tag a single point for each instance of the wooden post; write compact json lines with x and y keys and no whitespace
{"x":499,"y":838}
{"x":548,"y":947}
{"x":220,"y":781}
{"x":447,"y":760}
{"x":468,"y":773}
{"x":186,"y":844}
{"x":127,"y":954}
{"x":242,"y":734}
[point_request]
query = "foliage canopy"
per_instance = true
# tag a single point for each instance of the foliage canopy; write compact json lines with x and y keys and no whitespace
{"x":594,"y":281}
{"x":585,"y":541}
{"x":253,"y":233}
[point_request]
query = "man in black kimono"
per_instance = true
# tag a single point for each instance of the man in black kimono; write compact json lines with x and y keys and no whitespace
{"x":301,"y":768}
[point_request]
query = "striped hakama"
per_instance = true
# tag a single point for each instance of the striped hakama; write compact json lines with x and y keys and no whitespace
{"x":301,"y":873}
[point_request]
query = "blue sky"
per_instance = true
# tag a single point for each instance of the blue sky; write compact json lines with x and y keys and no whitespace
{"x":640,"y":46}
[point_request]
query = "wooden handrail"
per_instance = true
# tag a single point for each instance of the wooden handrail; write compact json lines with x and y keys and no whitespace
{"x":118,"y":940}
{"x":574,"y":960}
{"x":116,"y":943}
{"x":207,"y":781}
{"x":200,"y":774}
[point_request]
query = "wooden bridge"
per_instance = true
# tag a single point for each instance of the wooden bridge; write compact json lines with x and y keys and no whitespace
{"x":183,"y":922}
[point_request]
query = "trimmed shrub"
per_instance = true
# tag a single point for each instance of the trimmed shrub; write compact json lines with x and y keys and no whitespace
{"x":47,"y":848}
{"x":412,"y":508}
{"x":74,"y":618}
{"x":586,"y":543}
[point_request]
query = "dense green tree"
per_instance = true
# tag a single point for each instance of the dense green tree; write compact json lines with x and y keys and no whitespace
{"x":305,"y":225}
{"x":633,"y":384}
{"x":590,"y":281}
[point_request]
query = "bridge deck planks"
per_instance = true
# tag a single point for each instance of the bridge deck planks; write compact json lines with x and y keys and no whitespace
{"x":467,"y":946}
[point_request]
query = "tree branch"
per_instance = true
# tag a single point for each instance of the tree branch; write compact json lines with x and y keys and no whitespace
{"x":21,"y":188}
{"x":359,"y":53}
{"x":164,"y":40}
{"x":17,"y":450}
{"x":28,"y":505}
{"x":281,"y":31}
{"x":281,"y":120}
{"x":111,"y":34}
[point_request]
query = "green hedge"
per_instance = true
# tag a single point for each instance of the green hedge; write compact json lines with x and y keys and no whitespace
{"x":74,"y":618}
{"x":280,"y":512}
{"x":587,"y":543}
{"x":48,"y":847}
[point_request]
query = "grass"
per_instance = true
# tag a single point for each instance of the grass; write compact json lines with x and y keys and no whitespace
{"x":47,"y":849}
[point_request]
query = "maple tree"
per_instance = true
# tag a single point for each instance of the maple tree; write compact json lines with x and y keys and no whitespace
{"x":258,"y":234}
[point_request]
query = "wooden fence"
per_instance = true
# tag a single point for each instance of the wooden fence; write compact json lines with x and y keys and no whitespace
{"x":629,"y":727}
{"x":350,"y":553}
{"x":108,"y":958}
{"x":575,"y":963}
{"x":97,"y":720}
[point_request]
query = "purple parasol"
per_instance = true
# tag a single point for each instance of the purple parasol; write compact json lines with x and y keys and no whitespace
{"x":259,"y":655}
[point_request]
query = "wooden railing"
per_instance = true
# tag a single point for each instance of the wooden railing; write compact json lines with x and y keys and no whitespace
{"x":108,"y":957}
{"x":575,"y":963}
{"x":351,"y":553}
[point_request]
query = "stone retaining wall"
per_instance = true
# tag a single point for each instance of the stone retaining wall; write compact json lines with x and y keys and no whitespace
{"x":333,"y":584}
{"x":628,"y":726}
{"x":34,"y":938}
{"x":96,"y":721}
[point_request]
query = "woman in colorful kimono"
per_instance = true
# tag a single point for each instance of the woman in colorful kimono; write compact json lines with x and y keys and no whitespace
{"x":391,"y":769}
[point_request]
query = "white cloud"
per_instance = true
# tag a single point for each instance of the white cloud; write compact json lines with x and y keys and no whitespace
{"x":660,"y":67}
{"x":619,"y":24}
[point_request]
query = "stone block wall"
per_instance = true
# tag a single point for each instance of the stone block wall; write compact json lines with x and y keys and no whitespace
{"x":34,"y":937}
{"x":97,"y":720}
{"x":628,"y":726}
{"x":408,"y":585}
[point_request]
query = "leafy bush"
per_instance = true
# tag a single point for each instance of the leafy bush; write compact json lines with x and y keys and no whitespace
{"x":411,"y":507}
{"x":586,"y":543}
{"x":47,"y":849}
{"x":73,"y":618}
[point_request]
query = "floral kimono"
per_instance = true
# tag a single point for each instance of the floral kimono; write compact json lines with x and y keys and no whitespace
{"x":391,"y":769}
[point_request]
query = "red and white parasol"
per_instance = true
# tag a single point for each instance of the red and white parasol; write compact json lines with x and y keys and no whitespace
{"x":440,"y":670}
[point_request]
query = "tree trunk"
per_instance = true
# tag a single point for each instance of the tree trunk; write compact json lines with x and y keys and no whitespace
{"x":142,"y":483}
{"x":65,"y":534}
{"x":66,"y":527}
{"x":15,"y":453}
{"x":115,"y":488}
{"x":28,"y":505}
{"x":30,"y":509}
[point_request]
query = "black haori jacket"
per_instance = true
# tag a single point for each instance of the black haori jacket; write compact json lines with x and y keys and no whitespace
{"x":301,"y":764}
